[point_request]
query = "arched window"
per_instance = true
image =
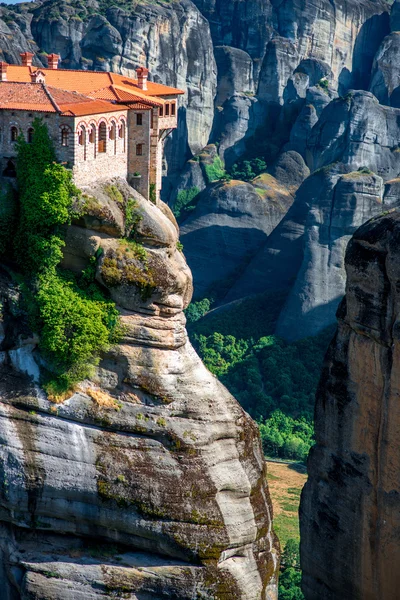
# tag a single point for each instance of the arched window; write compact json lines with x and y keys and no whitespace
{"x":173,"y":109}
{"x":139,"y":149}
{"x":102,"y":137}
{"x":161,"y":111}
{"x":167,"y":110}
{"x":14,"y":134}
{"x":92,"y":134}
{"x":82,"y":136}
{"x":10,"y":170}
{"x":30,"y":135}
{"x":122,"y":130}
{"x":113,"y":131}
{"x":64,"y":136}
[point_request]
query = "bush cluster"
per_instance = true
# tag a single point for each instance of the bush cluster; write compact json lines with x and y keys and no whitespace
{"x":73,"y":318}
{"x":275,"y":381}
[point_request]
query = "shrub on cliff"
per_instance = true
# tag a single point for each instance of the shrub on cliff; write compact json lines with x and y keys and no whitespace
{"x":74,"y":320}
{"x":8,"y":219}
{"x":46,"y":193}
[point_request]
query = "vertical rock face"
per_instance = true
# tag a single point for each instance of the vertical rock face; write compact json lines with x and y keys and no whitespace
{"x":350,"y":507}
{"x":149,"y":481}
{"x":347,"y":202}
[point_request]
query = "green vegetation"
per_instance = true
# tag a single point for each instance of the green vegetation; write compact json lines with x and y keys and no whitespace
{"x":247,"y":170}
{"x":215,"y":171}
{"x":285,"y":437}
{"x":73,"y":318}
{"x":185,"y":202}
{"x":275,"y":381}
{"x":323,"y":84}
{"x":196,"y":310}
{"x":153,"y":193}
{"x":8,"y":216}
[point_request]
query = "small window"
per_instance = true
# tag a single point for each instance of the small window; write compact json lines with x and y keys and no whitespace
{"x":122,"y":130}
{"x":161,"y":111}
{"x":14,"y":134}
{"x":92,"y":134}
{"x":173,"y":109}
{"x":64,"y":137}
{"x":167,"y":110}
{"x":139,"y":119}
{"x":30,"y":135}
{"x":112,"y":134}
{"x":81,"y":136}
{"x":102,"y":146}
{"x":139,"y":149}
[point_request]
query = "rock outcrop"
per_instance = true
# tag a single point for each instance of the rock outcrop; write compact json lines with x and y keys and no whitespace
{"x":350,"y":506}
{"x":347,"y":201}
{"x":231,"y":223}
{"x":149,"y":480}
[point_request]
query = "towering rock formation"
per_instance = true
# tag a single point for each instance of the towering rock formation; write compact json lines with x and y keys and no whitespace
{"x":149,"y":481}
{"x":350,"y":506}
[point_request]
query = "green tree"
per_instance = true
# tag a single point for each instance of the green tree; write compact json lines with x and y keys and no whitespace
{"x":74,"y":320}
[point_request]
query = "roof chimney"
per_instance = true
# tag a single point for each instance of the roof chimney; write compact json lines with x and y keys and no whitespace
{"x":142,"y":75}
{"x":26,"y":58}
{"x":3,"y":71}
{"x":52,"y":61}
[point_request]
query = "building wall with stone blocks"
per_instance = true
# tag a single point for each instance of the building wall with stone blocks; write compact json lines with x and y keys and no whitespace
{"x":139,"y":141}
{"x":97,"y":147}
{"x":22,"y":121}
{"x":100,"y":147}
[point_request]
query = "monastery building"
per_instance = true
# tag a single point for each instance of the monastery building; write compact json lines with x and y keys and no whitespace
{"x":102,"y":124}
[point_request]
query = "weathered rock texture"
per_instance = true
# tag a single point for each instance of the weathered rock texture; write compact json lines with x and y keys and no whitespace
{"x":346,"y":202}
{"x":350,"y":507}
{"x":231,"y":223}
{"x":149,"y":481}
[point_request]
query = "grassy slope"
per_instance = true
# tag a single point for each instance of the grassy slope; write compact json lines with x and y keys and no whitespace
{"x":285,"y":484}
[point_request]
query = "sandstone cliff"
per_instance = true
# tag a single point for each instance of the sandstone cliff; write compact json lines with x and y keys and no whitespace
{"x":350,"y":507}
{"x":149,"y":481}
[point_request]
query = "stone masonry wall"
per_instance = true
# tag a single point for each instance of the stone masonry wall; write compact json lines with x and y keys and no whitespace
{"x":139,"y":134}
{"x":23,"y":121}
{"x":91,"y":165}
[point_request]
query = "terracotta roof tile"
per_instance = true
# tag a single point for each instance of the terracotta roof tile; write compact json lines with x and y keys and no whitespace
{"x":37,"y":97}
{"x":138,"y":106}
{"x":24,"y":96}
{"x":89,"y":81}
{"x":77,"y":92}
{"x":95,"y":107}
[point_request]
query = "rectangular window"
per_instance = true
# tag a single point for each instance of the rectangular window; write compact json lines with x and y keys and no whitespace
{"x":139,"y":119}
{"x":167,"y":110}
{"x":161,"y":111}
{"x":173,"y":109}
{"x":139,"y":150}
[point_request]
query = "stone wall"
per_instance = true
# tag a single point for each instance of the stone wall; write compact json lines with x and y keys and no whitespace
{"x":23,"y":120}
{"x":91,"y":165}
{"x":139,"y":134}
{"x":88,"y":164}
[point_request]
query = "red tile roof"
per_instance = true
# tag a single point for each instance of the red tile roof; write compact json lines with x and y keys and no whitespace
{"x":78,"y":92}
{"x":39,"y":97}
{"x":25,"y":96}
